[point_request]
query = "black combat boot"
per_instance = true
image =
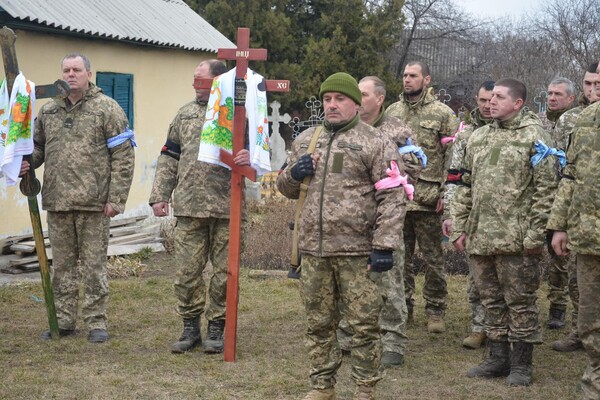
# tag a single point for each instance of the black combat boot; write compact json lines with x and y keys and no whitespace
{"x":556,"y":318}
{"x":496,"y":364}
{"x":190,"y":337}
{"x":521,"y":364}
{"x":214,"y":337}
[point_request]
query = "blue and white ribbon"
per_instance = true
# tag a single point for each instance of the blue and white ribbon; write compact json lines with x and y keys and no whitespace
{"x":121,"y":138}
{"x":411,"y":148}
{"x":543,"y":151}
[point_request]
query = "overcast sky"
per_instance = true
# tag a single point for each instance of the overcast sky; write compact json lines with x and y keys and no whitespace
{"x":499,"y":8}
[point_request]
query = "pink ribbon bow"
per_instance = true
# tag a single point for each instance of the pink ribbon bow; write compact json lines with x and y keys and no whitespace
{"x":395,"y":180}
{"x":448,"y":139}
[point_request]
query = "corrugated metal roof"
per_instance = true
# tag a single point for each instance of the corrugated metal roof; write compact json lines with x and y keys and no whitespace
{"x":168,"y":23}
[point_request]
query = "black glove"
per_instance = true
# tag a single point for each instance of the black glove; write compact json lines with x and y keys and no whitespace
{"x":381,"y":260}
{"x":303,"y":168}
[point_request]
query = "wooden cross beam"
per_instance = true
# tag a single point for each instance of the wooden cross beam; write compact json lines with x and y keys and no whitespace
{"x":30,"y":186}
{"x":242,"y":54}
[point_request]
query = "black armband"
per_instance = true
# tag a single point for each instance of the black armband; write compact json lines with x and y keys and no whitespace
{"x":171,"y":149}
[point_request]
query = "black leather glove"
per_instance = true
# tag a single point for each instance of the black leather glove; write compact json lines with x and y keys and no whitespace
{"x":381,"y":260}
{"x":303,"y":168}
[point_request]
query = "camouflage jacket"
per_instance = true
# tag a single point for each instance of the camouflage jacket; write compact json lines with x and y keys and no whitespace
{"x":550,"y":123}
{"x":80,"y":171}
{"x":343,"y":214}
{"x":197,"y":189}
{"x":456,"y":159}
{"x":429,"y":121}
{"x":504,"y":206}
{"x":578,"y":215}
{"x":564,"y":126}
{"x":399,"y":132}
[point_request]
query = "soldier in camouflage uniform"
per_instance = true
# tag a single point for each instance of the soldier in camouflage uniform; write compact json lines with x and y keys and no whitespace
{"x":86,"y":182}
{"x":200,"y":195}
{"x":561,"y":95}
{"x":564,"y":128}
{"x":348,"y":231}
{"x":393,"y":314}
{"x":500,"y":214}
{"x":480,"y":116}
{"x":575,"y":222}
{"x":429,"y":121}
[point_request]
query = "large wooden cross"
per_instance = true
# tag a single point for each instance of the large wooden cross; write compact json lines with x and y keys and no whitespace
{"x":30,"y":186}
{"x":242,"y":54}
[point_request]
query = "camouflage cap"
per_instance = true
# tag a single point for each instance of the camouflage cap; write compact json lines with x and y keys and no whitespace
{"x":343,"y":83}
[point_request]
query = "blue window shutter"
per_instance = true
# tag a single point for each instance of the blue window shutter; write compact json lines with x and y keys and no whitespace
{"x":120,"y":88}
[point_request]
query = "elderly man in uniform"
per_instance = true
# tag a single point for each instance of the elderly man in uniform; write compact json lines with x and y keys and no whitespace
{"x":430,"y":121}
{"x":499,"y":216}
{"x":86,"y":146}
{"x":480,"y":116}
{"x":348,"y":231}
{"x":200,"y":194}
{"x":575,"y":225}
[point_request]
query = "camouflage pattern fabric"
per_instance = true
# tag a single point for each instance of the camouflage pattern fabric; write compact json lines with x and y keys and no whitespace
{"x":430,"y":121}
{"x":558,"y":279}
{"x":573,"y":292}
{"x":506,"y":208}
{"x":507,"y":286}
{"x":79,"y":236}
{"x":424,"y":228}
{"x":343,"y":214}
{"x":474,"y":298}
{"x":392,"y":319}
{"x":325,"y":281}
{"x":186,"y":181}
{"x":564,"y":127}
{"x":80,"y":171}
{"x":588,"y":276}
{"x":196,"y":241}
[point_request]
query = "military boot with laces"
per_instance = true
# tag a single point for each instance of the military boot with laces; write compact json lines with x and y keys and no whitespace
{"x":556,"y":318}
{"x":364,"y":393}
{"x":190,"y":337}
{"x":321,"y":394}
{"x":496,"y":364}
{"x":568,"y":344}
{"x":521,"y":364}
{"x":214,"y":337}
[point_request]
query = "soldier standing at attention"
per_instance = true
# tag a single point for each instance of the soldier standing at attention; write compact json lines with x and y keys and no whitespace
{"x":430,"y":121}
{"x":564,"y":128}
{"x":561,"y":95}
{"x":480,"y":116}
{"x":86,"y":146}
{"x":499,"y":216}
{"x":574,"y":220}
{"x":200,"y":194}
{"x":348,"y":231}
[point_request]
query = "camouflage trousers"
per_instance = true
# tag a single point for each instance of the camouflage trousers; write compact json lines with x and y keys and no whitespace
{"x":423,"y":227}
{"x":198,"y":240}
{"x":558,"y":279}
{"x":588,"y":277}
{"x":573,"y":291}
{"x":325,"y":282}
{"x":79,"y":241}
{"x":507,"y":287}
{"x":392,"y":320}
{"x":477,"y":309}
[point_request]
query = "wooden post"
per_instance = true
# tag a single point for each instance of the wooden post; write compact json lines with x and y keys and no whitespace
{"x":242,"y":54}
{"x":30,"y":185}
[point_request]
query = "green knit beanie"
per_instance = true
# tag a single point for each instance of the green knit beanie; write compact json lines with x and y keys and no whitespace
{"x":342,"y":83}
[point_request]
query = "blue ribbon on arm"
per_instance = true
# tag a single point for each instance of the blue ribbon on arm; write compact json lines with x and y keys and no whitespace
{"x":411,"y":148}
{"x":120,"y":138}
{"x":542,"y":151}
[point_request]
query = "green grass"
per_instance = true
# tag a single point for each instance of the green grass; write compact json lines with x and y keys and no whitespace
{"x":271,"y":360}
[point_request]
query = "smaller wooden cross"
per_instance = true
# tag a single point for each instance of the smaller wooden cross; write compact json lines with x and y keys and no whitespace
{"x":242,"y":54}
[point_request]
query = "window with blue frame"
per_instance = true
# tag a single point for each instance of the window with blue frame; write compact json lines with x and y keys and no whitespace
{"x":119,"y":87}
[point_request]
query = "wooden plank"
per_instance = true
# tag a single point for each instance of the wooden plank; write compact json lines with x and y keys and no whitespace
{"x":131,"y":238}
{"x":122,"y":221}
{"x":124,"y":230}
{"x":121,"y":250}
{"x":23,"y":248}
{"x":32,"y":267}
{"x":22,"y":261}
{"x":12,"y":270}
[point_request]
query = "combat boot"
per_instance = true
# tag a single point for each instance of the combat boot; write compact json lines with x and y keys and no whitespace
{"x":46,"y":335}
{"x":392,"y":359}
{"x":436,"y":324}
{"x":521,"y":364}
{"x":475,"y":340}
{"x":321,"y":394}
{"x":214,"y":337}
{"x":364,"y":393}
{"x":568,"y":344}
{"x":496,"y":364}
{"x":556,"y":318}
{"x":190,"y":337}
{"x":410,"y":317}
